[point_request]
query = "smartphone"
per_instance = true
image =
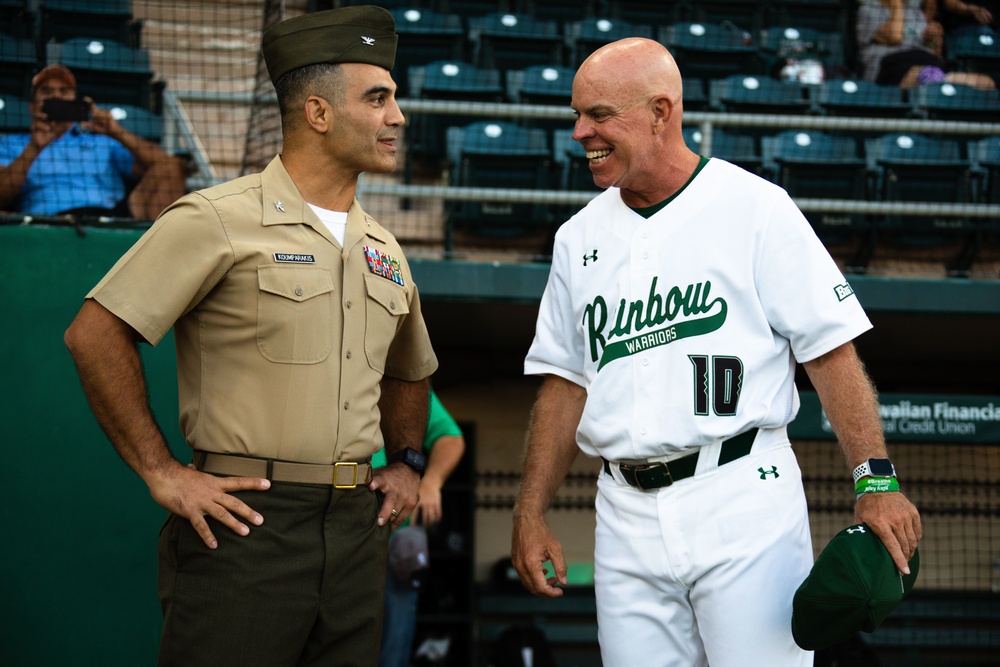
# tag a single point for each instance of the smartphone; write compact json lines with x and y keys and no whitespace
{"x":66,"y":110}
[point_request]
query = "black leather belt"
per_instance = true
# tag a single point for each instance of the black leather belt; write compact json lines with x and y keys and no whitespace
{"x":664,"y":473}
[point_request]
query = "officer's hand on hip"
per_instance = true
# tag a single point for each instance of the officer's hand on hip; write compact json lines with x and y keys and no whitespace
{"x":194,"y":495}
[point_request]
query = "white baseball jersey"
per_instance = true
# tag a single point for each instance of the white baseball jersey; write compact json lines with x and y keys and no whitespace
{"x":685,"y":327}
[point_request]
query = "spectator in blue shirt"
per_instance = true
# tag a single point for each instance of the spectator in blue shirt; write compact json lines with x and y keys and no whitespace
{"x":87,"y":168}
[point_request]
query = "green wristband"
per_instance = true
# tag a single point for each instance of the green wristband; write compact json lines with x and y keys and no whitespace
{"x":875,"y":485}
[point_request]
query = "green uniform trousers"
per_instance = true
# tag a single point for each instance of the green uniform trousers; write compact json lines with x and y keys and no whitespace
{"x":305,"y":588}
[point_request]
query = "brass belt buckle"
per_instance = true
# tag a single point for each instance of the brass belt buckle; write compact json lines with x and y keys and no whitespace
{"x":338,"y":467}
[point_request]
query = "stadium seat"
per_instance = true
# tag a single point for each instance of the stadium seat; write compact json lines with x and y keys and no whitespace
{"x":14,"y":114}
{"x":18,"y":63}
{"x":985,"y":155}
{"x":741,"y":150}
{"x":107,"y":71}
{"x":746,"y":15}
{"x":831,"y":16}
{"x":850,"y":97}
{"x":138,"y":121}
{"x":710,"y":50}
{"x":467,"y":8}
{"x":586,"y":36}
{"x":542,"y":85}
{"x":642,"y":11}
{"x":947,"y":101}
{"x":977,"y":51}
{"x":425,"y":36}
{"x":496,"y":154}
{"x":779,"y":44}
{"x":62,"y":20}
{"x":758,"y":94}
{"x":571,"y":162}
{"x":810,"y":164}
{"x":514,"y":41}
{"x":450,"y":81}
{"x":556,"y":10}
{"x":17,"y":18}
{"x":695,"y":96}
{"x":916,"y":168}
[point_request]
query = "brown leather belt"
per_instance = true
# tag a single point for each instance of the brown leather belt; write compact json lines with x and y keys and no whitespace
{"x":340,"y":475}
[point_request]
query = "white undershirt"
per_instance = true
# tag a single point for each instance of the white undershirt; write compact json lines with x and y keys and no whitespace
{"x":335,"y":221}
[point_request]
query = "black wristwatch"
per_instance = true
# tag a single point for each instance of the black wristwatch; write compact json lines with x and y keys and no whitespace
{"x":410,"y":457}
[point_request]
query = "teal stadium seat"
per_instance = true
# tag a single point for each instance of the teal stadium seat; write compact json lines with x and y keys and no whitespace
{"x":977,"y":51}
{"x":14,"y":114}
{"x":643,"y":11}
{"x":585,"y":36}
{"x":446,"y":81}
{"x":985,"y":154}
{"x":138,"y":121}
{"x":741,"y":150}
{"x":572,"y":169}
{"x":747,"y":15}
{"x":814,"y":165}
{"x":542,"y":84}
{"x":17,"y":18}
{"x":854,"y":97}
{"x":556,"y":10}
{"x":62,"y":20}
{"x":425,"y":36}
{"x":510,"y":41}
{"x":792,"y":42}
{"x":831,"y":16}
{"x":744,"y":93}
{"x":497,"y":154}
{"x":710,"y":50}
{"x":18,"y":63}
{"x":916,"y":168}
{"x":107,"y":71}
{"x":948,"y":101}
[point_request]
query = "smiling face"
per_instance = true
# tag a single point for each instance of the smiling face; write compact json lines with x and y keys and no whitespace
{"x":366,"y":120}
{"x":624,"y":96}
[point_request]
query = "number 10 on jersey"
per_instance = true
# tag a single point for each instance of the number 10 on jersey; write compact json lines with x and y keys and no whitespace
{"x":718,"y":378}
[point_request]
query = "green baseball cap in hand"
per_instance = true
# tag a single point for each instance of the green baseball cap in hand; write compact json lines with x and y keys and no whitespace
{"x":854,"y":585}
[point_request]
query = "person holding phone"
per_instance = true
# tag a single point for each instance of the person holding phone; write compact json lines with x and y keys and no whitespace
{"x":76,"y":159}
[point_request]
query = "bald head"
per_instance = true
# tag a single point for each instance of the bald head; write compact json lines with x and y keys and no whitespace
{"x":627,"y":97}
{"x":634,"y":70}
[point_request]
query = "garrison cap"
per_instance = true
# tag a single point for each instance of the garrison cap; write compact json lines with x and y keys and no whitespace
{"x":356,"y":34}
{"x":854,"y":585}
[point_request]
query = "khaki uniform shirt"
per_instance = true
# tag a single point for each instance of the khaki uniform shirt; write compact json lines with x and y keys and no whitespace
{"x":282,"y":335}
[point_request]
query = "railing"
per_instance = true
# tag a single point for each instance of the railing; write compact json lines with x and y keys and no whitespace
{"x":706,"y":121}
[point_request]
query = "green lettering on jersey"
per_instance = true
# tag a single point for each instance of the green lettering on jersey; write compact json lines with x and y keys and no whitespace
{"x":655,"y":311}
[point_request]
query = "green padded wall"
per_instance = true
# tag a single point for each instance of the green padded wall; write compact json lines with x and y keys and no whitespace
{"x":80,"y":530}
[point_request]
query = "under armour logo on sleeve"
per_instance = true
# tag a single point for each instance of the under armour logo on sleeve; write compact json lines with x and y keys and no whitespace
{"x":765,"y":473}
